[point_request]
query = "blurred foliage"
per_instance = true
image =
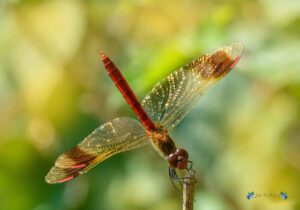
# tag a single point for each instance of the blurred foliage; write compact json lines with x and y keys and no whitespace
{"x":244,"y":136}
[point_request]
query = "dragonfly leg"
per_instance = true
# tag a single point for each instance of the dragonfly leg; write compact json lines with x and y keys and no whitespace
{"x":181,"y":180}
{"x":189,"y":168}
{"x":174,"y":177}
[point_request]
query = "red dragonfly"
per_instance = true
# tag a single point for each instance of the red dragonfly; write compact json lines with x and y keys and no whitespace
{"x":162,"y":109}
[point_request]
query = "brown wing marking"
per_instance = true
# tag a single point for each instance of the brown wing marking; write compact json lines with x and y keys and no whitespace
{"x":216,"y":65}
{"x":58,"y":174}
{"x":117,"y":136}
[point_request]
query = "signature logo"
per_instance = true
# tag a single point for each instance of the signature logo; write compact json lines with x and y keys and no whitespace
{"x":283,"y":195}
{"x":252,"y":195}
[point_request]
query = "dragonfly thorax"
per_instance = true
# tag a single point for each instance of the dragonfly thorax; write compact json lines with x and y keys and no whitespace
{"x":162,"y":142}
{"x":178,"y":159}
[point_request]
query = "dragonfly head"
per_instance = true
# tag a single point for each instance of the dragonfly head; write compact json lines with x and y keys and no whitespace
{"x":178,"y":159}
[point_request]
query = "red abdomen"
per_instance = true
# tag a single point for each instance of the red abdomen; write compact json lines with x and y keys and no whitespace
{"x":127,"y":93}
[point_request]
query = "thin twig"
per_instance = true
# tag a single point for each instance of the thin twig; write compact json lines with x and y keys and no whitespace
{"x":188,"y":190}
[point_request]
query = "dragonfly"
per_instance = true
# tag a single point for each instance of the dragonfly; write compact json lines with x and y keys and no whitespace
{"x":169,"y":101}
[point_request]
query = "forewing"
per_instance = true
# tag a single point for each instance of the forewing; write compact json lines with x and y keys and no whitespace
{"x":118,"y":135}
{"x":172,"y":98}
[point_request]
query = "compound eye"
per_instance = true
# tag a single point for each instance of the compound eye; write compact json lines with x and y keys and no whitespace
{"x":182,"y":154}
{"x":182,"y":158}
{"x":173,"y":159}
{"x":182,"y":164}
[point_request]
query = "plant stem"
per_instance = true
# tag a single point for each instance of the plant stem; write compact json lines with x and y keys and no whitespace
{"x":188,"y":190}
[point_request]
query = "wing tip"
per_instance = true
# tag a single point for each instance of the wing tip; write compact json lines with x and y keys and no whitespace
{"x":58,"y":181}
{"x":58,"y":175}
{"x":235,"y":49}
{"x":49,"y":180}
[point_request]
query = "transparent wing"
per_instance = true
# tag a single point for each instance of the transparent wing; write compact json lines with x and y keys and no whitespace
{"x":118,"y":135}
{"x":172,"y":98}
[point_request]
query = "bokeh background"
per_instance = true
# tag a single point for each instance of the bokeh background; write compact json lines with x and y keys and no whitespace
{"x":243,"y":136}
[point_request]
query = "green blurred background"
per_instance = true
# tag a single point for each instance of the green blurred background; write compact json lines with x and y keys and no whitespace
{"x":243,"y":136}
